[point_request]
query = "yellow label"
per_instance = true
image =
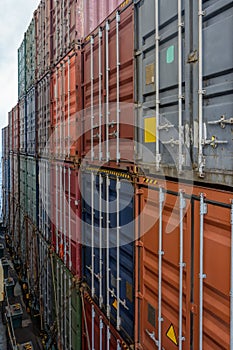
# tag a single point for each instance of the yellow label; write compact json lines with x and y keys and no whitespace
{"x":150,"y":130}
{"x":115,"y":304}
{"x":171,"y":334}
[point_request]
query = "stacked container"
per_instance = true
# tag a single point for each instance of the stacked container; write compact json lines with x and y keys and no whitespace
{"x":122,"y":144}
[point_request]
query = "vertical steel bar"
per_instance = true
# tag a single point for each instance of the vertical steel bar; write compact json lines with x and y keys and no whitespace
{"x":118,"y":87}
{"x":100,"y":244}
{"x":157,"y":101}
{"x":161,"y":253}
{"x":100,"y":94}
{"x":92,"y":237}
{"x":92,"y":99}
{"x":182,"y":206}
{"x":69,"y":208}
{"x":93,"y":328}
{"x":70,"y":315}
{"x":180,"y":78}
{"x":200,"y":88}
{"x":64,"y":213}
{"x":56,"y":212}
{"x":101,"y":333}
{"x":107,"y":244}
{"x":68,"y":107}
{"x":231,"y":291}
{"x":108,"y":337}
{"x":118,"y":253}
{"x":107,"y":91}
{"x":203,"y":211}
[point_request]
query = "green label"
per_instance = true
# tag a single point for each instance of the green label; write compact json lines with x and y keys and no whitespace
{"x":170,"y":54}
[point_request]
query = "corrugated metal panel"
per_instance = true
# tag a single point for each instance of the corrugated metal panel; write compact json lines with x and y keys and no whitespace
{"x":108,"y":80}
{"x":96,"y":11}
{"x":66,"y":214}
{"x":46,"y":284}
{"x":44,"y":122}
{"x":45,"y":199}
{"x":191,"y":97}
{"x":43,"y":38}
{"x":180,"y":237}
{"x":16,"y":128}
{"x":22,"y":69}
{"x":66,"y":102}
{"x":30,"y":37}
{"x":69,"y":309}
{"x":96,"y":329}
{"x":23,"y":124}
{"x":66,"y":25}
{"x":23,"y":184}
{"x":11,"y":130}
{"x":31,"y":113}
{"x":32,"y":189}
{"x":104,"y":265}
{"x":217,"y":81}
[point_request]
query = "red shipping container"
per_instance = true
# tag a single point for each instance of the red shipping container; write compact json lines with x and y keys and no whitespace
{"x":97,"y":332}
{"x":15,"y":116}
{"x":96,"y":11}
{"x":182,"y":266}
{"x":43,"y":38}
{"x":108,"y":89}
{"x":66,"y":215}
{"x":67,"y":26}
{"x":11,"y":130}
{"x":65,"y":104}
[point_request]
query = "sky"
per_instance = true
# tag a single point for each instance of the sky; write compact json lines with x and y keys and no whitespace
{"x":14,"y":20}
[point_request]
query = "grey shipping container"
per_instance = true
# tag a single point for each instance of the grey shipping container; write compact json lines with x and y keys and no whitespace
{"x":31,"y":118}
{"x":184,"y":88}
{"x":22,"y":68}
{"x":43,"y":113}
{"x":32,"y":189}
{"x":30,"y":38}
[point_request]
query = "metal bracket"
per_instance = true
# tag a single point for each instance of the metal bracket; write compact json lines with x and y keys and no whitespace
{"x":214,"y":142}
{"x":171,"y":142}
{"x":222,"y":121}
{"x":165,"y":126}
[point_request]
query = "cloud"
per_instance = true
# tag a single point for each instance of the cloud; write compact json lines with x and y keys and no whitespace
{"x":15,"y":18}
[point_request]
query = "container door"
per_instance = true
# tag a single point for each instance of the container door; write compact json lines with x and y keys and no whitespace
{"x":163,"y":270}
{"x":212,"y":272}
{"x":212,"y":89}
{"x":162,"y":94}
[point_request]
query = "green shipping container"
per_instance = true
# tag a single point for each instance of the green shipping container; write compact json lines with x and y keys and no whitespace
{"x":32,"y":189}
{"x":22,"y":68}
{"x":30,"y":37}
{"x":68,"y":308}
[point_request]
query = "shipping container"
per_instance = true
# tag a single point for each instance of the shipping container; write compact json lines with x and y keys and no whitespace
{"x":182,"y":79}
{"x":30,"y":37}
{"x":108,"y":246}
{"x":5,"y":175}
{"x":23,"y":180}
{"x":66,"y":214}
{"x":23,"y":125}
{"x":67,"y":22}
{"x":43,"y":38}
{"x":45,"y":199}
{"x":46,"y":284}
{"x":11,"y":130}
{"x":108,"y":82}
{"x":43,"y":115}
{"x":32,"y":189}
{"x":15,"y":113}
{"x":182,"y":266}
{"x":5,"y":142}
{"x":68,"y":313}
{"x":94,"y":13}
{"x":97,"y":332}
{"x":31,"y":128}
{"x":65,"y":103}
{"x":22,"y":68}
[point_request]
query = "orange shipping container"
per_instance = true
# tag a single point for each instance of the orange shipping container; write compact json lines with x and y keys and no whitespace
{"x":65,"y":104}
{"x":183,"y":267}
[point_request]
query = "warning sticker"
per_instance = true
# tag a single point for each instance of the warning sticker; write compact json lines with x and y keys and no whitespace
{"x":172,"y":335}
{"x":115,"y":304}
